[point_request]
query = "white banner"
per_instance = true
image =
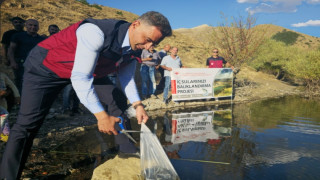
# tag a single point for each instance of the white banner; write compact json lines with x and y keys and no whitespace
{"x":196,"y":126}
{"x":201,"y":83}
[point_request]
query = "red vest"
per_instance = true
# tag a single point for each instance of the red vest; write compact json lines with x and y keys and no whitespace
{"x":215,"y":64}
{"x":62,"y":47}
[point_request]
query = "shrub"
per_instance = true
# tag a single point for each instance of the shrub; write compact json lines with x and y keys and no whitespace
{"x":272,"y":57}
{"x":119,"y":13}
{"x":84,"y":2}
{"x":288,"y":37}
{"x":289,"y":62}
{"x":307,"y":68}
{"x":96,"y":6}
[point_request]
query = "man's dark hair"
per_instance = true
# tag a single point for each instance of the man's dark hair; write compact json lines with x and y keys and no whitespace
{"x":53,"y":25}
{"x":154,"y":18}
{"x":17,"y":18}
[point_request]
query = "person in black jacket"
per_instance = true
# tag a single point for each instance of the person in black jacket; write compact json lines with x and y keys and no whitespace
{"x":84,"y":54}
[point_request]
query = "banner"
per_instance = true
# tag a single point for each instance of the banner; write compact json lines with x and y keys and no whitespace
{"x":201,"y":83}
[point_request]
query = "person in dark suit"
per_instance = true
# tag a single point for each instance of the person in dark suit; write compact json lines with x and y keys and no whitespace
{"x":84,"y":54}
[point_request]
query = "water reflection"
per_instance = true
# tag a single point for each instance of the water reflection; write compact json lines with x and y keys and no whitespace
{"x":197,"y":140}
{"x":272,"y":139}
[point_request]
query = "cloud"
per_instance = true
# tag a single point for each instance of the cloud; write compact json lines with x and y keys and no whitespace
{"x":275,"y":6}
{"x":308,"y":23}
{"x":313,"y":1}
{"x":249,"y":1}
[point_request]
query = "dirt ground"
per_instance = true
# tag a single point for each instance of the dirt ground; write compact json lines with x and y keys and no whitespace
{"x":249,"y":85}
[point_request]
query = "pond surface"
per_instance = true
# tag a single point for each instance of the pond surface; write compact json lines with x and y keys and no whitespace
{"x":270,"y":139}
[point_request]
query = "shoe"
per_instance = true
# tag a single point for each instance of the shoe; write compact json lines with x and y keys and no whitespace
{"x":66,"y":111}
{"x":143,"y":97}
{"x":129,"y":155}
{"x":154,"y":96}
{"x":74,"y":112}
{"x":165,"y":101}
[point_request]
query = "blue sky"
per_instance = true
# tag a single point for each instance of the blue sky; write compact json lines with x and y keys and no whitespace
{"x":298,"y":15}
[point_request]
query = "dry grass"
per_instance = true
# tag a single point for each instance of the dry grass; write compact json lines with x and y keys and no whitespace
{"x":60,"y":12}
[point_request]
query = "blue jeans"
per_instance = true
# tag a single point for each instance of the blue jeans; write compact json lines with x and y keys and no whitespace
{"x":167,"y":86}
{"x":147,"y":77}
{"x":69,"y":94}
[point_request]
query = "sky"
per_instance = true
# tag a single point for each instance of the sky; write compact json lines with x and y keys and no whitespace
{"x":299,"y":15}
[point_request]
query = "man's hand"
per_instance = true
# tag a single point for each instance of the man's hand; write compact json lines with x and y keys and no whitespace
{"x":141,"y":114}
{"x":106,"y":123}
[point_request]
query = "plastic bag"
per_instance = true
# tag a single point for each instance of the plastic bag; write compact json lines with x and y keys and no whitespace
{"x":155,"y":164}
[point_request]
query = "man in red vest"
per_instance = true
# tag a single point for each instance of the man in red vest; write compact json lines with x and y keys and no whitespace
{"x":83,"y":54}
{"x":216,"y":61}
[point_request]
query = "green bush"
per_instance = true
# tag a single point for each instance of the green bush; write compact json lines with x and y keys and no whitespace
{"x":96,"y":6}
{"x":119,"y":13}
{"x":276,"y":58}
{"x":288,"y":37}
{"x":272,"y":57}
{"x":306,"y":67}
{"x":84,"y":2}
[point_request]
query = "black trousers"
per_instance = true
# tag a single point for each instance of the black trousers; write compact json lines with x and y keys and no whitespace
{"x":40,"y":88}
{"x":162,"y":80}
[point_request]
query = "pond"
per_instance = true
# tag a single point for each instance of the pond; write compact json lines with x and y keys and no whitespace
{"x":270,"y":139}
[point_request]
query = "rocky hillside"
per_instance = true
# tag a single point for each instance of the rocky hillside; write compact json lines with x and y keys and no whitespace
{"x":60,"y":12}
{"x":194,"y":44}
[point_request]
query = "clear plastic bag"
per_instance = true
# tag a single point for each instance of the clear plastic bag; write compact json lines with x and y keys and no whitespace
{"x":155,"y":164}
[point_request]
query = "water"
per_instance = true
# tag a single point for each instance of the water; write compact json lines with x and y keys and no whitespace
{"x":271,"y":139}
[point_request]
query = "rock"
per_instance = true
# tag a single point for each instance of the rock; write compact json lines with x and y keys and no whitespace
{"x":118,"y":168}
{"x":49,"y":134}
{"x":21,"y":6}
{"x":36,"y":142}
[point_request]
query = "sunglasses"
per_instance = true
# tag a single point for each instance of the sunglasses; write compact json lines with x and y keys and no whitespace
{"x":215,"y":51}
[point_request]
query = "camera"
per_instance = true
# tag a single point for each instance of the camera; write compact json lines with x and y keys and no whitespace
{"x":150,"y":56}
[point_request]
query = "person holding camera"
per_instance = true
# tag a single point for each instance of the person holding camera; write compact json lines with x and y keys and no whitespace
{"x":150,"y":61}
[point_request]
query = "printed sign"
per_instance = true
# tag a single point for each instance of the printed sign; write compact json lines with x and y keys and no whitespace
{"x":201,"y":83}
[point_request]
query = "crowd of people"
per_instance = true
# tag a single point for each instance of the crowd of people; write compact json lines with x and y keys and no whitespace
{"x":164,"y":61}
{"x":85,"y":61}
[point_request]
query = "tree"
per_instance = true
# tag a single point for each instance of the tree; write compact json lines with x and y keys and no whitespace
{"x":238,"y":39}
